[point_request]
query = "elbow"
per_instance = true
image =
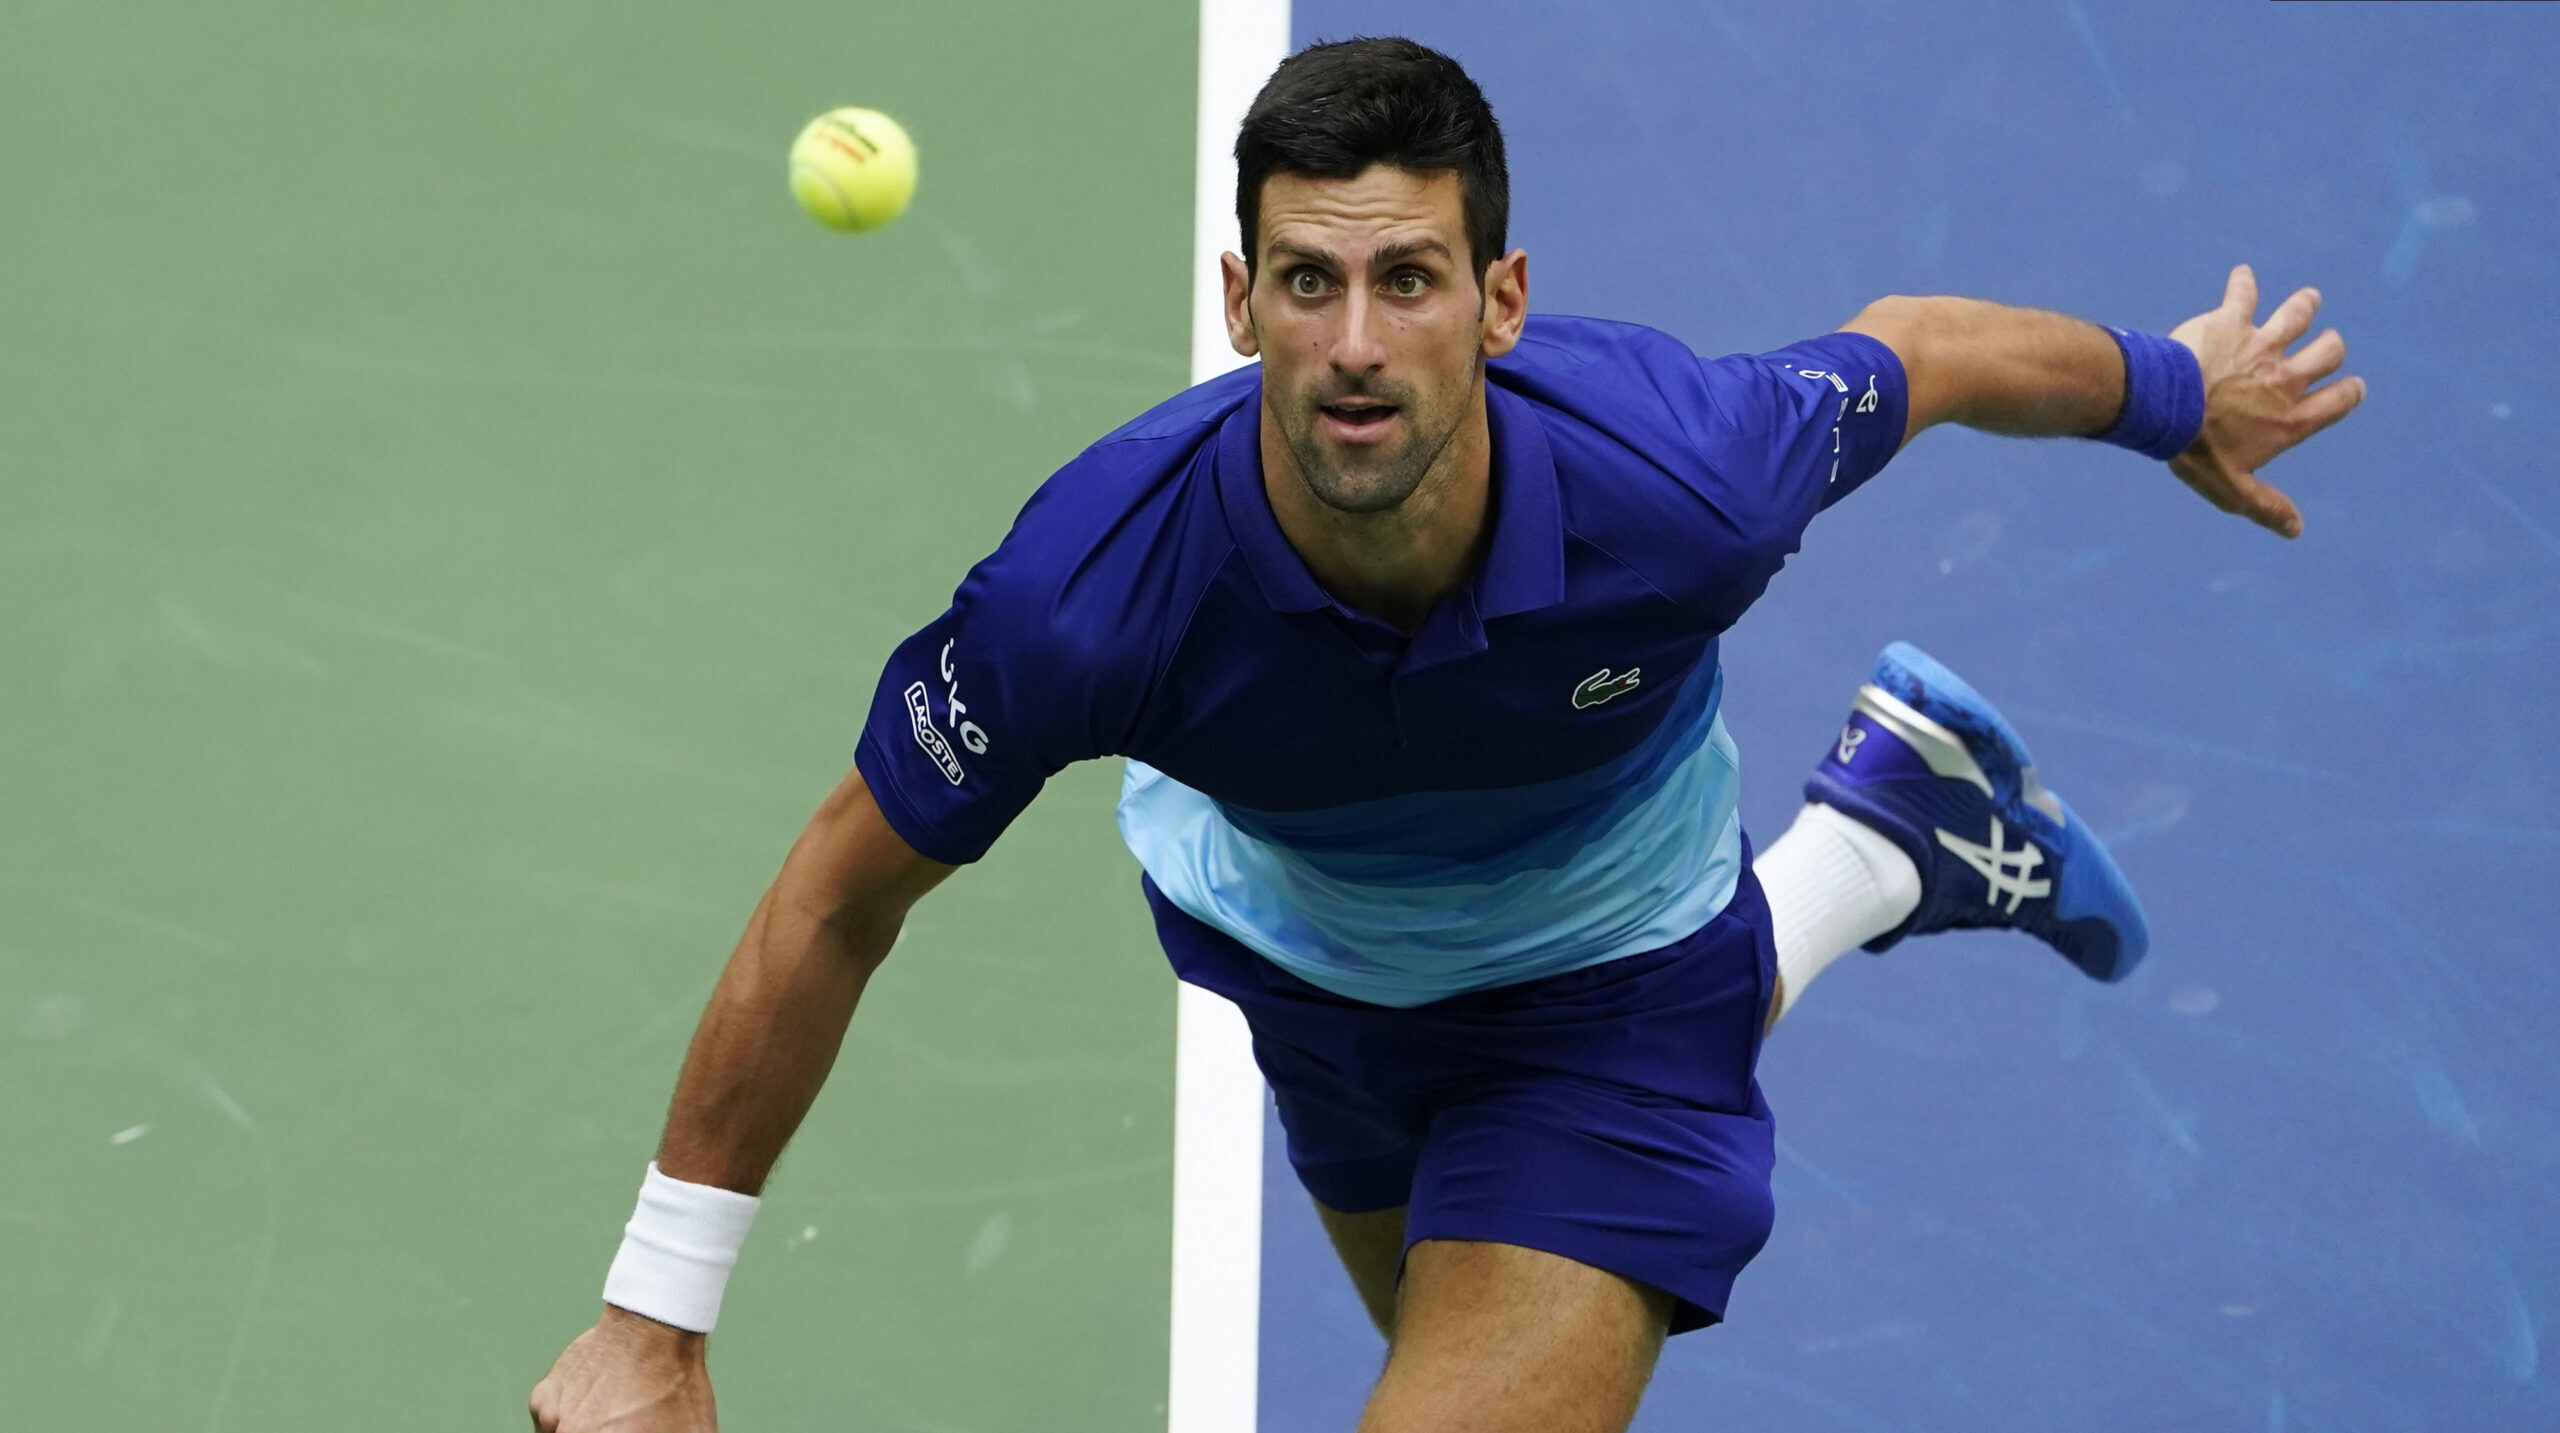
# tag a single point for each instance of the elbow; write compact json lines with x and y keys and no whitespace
{"x":1918,"y":330}
{"x":1901,"y":322}
{"x":1892,"y":308}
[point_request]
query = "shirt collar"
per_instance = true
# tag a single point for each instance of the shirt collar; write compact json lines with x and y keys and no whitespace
{"x":1523,"y":563}
{"x":1286,"y":583}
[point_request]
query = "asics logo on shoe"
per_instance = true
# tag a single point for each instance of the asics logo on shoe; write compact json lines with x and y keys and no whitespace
{"x":1851,"y":738}
{"x":2006,"y":872}
{"x":1600,"y":686}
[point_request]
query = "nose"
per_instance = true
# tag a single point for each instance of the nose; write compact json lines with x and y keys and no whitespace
{"x":1359,"y":346}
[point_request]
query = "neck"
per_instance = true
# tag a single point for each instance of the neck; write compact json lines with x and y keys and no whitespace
{"x":1393,"y":564}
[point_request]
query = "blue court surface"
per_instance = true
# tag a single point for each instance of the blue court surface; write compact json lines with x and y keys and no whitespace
{"x":2303,"y":1170}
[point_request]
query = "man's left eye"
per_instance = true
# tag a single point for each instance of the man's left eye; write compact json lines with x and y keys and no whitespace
{"x":1408,"y":286}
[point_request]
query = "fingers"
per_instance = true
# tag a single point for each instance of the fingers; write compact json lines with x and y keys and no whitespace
{"x":2292,"y":318}
{"x":2328,"y":405}
{"x":2239,"y":493}
{"x":2261,"y":503}
{"x":2318,"y":359}
{"x":2240,"y":292}
{"x":2269,"y":508}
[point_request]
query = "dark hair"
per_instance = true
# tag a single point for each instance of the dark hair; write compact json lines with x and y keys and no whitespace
{"x":1331,"y":111}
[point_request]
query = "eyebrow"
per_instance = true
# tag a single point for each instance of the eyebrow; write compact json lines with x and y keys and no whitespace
{"x":1391,"y":254}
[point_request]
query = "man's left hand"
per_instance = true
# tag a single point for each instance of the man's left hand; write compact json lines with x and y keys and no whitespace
{"x":2258,"y":400}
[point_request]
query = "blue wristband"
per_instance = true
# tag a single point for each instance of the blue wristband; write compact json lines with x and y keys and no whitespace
{"x":2163,"y":396}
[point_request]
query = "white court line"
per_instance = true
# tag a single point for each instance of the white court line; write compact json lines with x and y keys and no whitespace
{"x":1217,"y":1092}
{"x":1241,"y":42}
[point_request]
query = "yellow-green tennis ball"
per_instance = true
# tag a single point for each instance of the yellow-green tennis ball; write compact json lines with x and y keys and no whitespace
{"x":853,"y":169}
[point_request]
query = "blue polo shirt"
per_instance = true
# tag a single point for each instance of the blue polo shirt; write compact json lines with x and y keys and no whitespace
{"x":1535,"y":781}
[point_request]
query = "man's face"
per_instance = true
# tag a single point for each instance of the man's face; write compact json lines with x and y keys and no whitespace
{"x":1371,"y":330}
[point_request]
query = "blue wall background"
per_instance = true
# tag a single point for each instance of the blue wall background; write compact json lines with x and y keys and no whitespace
{"x":2300,"y":1172}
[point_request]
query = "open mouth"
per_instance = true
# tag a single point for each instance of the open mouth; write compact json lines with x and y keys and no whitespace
{"x":1357,"y":419}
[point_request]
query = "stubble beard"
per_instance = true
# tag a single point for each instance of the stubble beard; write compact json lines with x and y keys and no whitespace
{"x":1378,"y":489}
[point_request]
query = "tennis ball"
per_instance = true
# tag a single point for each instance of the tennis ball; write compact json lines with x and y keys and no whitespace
{"x":853,"y":169}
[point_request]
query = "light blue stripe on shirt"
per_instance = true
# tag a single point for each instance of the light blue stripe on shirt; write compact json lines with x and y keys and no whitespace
{"x":1412,"y":899}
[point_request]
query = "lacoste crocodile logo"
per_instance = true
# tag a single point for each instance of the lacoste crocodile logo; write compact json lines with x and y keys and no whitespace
{"x":1600,"y":686}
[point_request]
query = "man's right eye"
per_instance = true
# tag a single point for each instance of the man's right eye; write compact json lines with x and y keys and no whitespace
{"x":1306,"y":283}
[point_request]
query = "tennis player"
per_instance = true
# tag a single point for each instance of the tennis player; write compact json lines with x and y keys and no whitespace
{"x":1409,"y":635}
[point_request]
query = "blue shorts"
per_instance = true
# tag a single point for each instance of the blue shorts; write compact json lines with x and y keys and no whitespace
{"x":1608,"y":1114}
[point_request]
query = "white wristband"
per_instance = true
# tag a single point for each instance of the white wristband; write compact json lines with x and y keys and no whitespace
{"x":677,"y":1251}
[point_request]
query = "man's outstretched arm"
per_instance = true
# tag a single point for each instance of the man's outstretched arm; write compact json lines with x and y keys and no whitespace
{"x":763,"y":1048}
{"x":2037,"y":374}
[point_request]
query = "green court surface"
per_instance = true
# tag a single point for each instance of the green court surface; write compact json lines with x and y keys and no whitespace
{"x":452,"y":510}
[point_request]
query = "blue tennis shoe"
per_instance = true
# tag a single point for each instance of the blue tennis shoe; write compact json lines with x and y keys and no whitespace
{"x":1930,"y":765}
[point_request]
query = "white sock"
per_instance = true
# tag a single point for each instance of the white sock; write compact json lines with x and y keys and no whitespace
{"x":1833,"y":885}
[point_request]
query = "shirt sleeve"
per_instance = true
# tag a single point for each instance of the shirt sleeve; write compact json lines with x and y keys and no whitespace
{"x":1814,"y":419}
{"x":1779,"y":437}
{"x":977,"y":711}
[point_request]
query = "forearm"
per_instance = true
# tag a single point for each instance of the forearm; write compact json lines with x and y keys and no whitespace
{"x":2020,"y":371}
{"x":773,"y":1026}
{"x":765,"y":1044}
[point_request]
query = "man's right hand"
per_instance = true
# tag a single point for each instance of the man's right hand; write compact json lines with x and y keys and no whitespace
{"x":628,"y":1374}
{"x":757,"y":1059}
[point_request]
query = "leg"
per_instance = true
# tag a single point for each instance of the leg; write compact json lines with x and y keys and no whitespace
{"x":1371,"y":1247}
{"x":1495,"y":1338}
{"x":1833,"y":885}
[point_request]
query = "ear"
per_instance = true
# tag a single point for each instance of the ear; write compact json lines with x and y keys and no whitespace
{"x":1506,"y":302}
{"x":1239,"y":287}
